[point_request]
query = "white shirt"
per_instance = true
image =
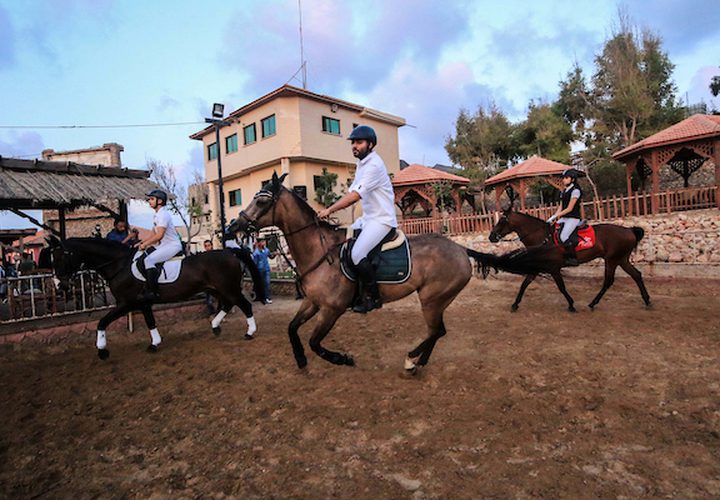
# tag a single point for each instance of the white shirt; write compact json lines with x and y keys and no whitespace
{"x":163,"y":218}
{"x":377,"y":197}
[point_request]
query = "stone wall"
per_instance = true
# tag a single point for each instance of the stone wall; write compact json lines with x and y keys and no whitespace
{"x":682,"y":238}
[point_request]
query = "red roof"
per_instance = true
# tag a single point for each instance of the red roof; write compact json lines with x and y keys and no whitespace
{"x":535,"y":166}
{"x":690,"y":129}
{"x":419,"y":174}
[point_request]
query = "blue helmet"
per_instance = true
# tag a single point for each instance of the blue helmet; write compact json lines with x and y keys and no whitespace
{"x":571,"y":172}
{"x":159,"y":194}
{"x":363,"y":132}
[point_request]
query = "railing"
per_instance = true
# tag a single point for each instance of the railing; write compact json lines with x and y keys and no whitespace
{"x":36,"y":296}
{"x":604,"y":208}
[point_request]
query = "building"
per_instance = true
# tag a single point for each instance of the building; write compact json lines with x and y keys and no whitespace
{"x":293,"y":131}
{"x":85,"y":221}
{"x":202,"y":228}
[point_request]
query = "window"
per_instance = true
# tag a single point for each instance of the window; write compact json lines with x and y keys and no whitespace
{"x":250,"y":134}
{"x":231,"y":144}
{"x":207,"y":199}
{"x":212,"y":151}
{"x":317,"y":181}
{"x":235,"y":197}
{"x":268,"y":126}
{"x":331,"y":125}
{"x":301,"y":191}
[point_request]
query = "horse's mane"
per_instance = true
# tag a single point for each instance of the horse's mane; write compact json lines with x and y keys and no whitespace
{"x":111,"y":248}
{"x":530,"y":216}
{"x":308,"y":210}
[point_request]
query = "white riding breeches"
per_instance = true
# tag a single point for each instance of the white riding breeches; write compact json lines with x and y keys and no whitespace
{"x":570,"y":223}
{"x":372,"y":233}
{"x":161,"y":254}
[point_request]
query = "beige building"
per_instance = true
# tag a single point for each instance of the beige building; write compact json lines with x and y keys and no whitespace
{"x":293,"y":131}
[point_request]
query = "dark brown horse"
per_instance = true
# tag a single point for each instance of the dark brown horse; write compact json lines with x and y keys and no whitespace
{"x":219,"y":272}
{"x":613,"y":243}
{"x":440,"y":270}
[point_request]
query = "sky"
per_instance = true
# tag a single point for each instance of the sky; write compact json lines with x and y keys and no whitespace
{"x":123,"y":62}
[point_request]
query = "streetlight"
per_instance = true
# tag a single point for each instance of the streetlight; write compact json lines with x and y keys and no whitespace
{"x":217,"y":121}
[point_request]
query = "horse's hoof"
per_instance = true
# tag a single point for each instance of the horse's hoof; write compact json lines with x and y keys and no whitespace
{"x":216,"y":330}
{"x":103,"y":353}
{"x":349,"y":361}
{"x":591,"y":306}
{"x":301,"y":362}
{"x":648,"y":305}
{"x":572,"y":309}
{"x":152,"y":348}
{"x":514,"y":308}
{"x":249,"y":337}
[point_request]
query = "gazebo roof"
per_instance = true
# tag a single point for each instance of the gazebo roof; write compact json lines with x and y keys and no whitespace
{"x":534,"y":166}
{"x":54,"y":184}
{"x":690,"y":129}
{"x":419,"y":174}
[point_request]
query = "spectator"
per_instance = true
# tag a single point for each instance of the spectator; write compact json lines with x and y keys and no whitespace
{"x":27,"y":265}
{"x":121,"y":234}
{"x":261,"y":256}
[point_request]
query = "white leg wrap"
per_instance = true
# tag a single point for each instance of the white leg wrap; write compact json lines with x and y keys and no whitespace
{"x":252,"y":326}
{"x":156,"y":339}
{"x":101,"y":339}
{"x":218,"y":319}
{"x":409,"y":364}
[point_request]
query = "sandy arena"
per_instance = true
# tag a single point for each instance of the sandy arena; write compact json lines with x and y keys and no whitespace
{"x":623,"y":401}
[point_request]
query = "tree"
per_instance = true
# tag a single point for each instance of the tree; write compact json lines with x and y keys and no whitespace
{"x":715,"y":85}
{"x":189,"y":209}
{"x":324,"y":188}
{"x":443,"y":192}
{"x":544,"y":133}
{"x":482,"y":144}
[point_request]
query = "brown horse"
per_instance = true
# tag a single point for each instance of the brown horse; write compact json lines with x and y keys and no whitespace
{"x":613,"y":243}
{"x":440,"y":270}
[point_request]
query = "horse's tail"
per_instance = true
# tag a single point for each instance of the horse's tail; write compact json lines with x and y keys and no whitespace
{"x":533,"y":260}
{"x":638,"y":232}
{"x":245,"y":256}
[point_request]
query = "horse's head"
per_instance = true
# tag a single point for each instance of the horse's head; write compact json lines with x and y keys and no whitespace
{"x":64,"y":262}
{"x":503,"y":226}
{"x":261,"y":210}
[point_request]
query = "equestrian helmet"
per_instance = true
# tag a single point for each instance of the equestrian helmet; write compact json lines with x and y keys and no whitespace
{"x":363,"y":132}
{"x":571,"y":172}
{"x":159,"y":194}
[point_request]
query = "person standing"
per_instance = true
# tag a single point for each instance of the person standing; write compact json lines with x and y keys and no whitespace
{"x":164,"y":240}
{"x":373,"y":188}
{"x":568,"y":214}
{"x":260,"y":256}
{"x":121,"y":234}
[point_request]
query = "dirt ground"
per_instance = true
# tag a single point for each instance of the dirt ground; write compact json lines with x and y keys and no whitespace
{"x":623,"y":401}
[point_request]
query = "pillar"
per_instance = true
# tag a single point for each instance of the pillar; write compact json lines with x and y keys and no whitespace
{"x":628,"y":176}
{"x":716,"y":159}
{"x":655,"y":182}
{"x":214,"y":210}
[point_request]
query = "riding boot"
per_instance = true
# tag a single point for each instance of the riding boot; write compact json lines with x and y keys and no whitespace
{"x":368,"y":294}
{"x":151,"y":291}
{"x":570,"y":255}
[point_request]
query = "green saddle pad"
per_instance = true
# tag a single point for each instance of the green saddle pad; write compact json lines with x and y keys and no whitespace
{"x":394,"y":266}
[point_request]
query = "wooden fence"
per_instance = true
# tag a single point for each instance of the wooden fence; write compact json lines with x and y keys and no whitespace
{"x":604,"y":208}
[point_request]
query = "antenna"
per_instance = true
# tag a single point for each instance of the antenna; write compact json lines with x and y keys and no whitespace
{"x":303,"y":63}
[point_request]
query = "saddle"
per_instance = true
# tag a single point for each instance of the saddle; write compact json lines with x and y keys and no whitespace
{"x":583,"y":237}
{"x":169,"y":270}
{"x":391,"y":258}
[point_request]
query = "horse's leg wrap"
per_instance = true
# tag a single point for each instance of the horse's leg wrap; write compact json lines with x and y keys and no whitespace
{"x":101,"y":342}
{"x":252,"y":326}
{"x":218,"y":318}
{"x":155,"y":336}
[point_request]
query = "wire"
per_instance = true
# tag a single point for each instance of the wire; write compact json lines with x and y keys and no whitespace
{"x":135,"y":125}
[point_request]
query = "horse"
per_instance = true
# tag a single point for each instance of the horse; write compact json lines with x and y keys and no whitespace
{"x":440,"y":270}
{"x":613,"y":244}
{"x":219,"y":272}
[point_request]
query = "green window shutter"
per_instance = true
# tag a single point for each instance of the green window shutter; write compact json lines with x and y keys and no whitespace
{"x":250,"y":134}
{"x":212,"y":151}
{"x":231,"y":143}
{"x":268,"y":126}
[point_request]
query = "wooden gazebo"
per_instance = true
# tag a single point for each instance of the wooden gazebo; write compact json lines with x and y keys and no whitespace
{"x":63,"y":186}
{"x":414,"y":185}
{"x":684,"y":147}
{"x":523,"y":175}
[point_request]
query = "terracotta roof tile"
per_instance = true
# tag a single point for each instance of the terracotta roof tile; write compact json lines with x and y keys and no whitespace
{"x":692,"y":128}
{"x":534,"y":166}
{"x":419,"y":174}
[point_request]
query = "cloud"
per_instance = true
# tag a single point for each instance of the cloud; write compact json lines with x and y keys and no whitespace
{"x":22,"y":145}
{"x":347,"y":46}
{"x":7,"y":40}
{"x":167,"y":103}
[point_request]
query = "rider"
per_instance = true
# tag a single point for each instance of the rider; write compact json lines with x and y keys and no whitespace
{"x":568,"y":213}
{"x":164,"y":238}
{"x":372,"y":187}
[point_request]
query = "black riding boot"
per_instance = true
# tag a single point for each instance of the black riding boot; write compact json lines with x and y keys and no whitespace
{"x":368,"y":294}
{"x":570,"y":255}
{"x":151,"y":291}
